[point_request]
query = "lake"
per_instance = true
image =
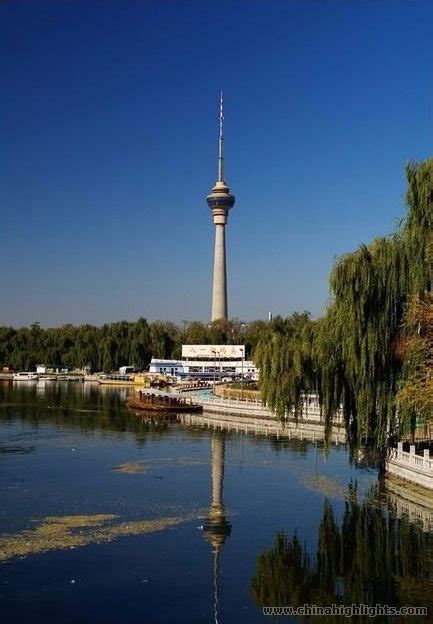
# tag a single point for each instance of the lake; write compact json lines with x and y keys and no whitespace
{"x":107,"y":517}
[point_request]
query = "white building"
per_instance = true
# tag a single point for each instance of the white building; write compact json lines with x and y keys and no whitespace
{"x":207,"y":361}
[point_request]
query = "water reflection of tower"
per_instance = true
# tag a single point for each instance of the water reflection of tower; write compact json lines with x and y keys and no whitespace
{"x":216,"y":527}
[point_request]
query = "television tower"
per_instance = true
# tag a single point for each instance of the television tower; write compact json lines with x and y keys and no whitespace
{"x":220,"y":201}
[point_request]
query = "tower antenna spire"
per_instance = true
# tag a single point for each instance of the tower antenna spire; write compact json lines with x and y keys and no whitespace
{"x":220,"y":142}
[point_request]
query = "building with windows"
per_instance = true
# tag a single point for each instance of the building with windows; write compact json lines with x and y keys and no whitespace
{"x":207,"y":362}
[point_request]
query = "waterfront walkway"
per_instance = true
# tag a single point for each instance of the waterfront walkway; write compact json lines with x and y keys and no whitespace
{"x":311,"y":411}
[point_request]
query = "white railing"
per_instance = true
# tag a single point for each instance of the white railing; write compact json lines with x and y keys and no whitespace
{"x":310,"y":412}
{"x":421,"y":462}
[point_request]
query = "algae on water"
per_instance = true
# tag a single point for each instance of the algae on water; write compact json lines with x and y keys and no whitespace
{"x":65,"y":532}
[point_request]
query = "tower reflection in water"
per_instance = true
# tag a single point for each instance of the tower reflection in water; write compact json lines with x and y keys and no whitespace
{"x":217,"y":528}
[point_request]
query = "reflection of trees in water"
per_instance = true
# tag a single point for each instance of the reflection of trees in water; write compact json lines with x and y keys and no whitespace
{"x":74,"y":406}
{"x":371,"y":558}
{"x":290,"y":444}
{"x":90,"y":408}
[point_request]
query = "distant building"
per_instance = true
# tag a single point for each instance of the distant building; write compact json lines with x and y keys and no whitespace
{"x":207,"y":361}
{"x":43,"y":369}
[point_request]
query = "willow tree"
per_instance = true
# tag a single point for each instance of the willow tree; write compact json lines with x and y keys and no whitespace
{"x":369,"y":288}
{"x":349,"y":355}
{"x":418,"y":227}
{"x":354,"y":355}
{"x":283,"y":355}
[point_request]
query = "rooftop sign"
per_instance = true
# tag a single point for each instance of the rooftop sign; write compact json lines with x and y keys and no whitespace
{"x":213,"y":351}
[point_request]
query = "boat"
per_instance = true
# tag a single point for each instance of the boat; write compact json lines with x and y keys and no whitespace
{"x":123,"y":380}
{"x":25,"y":376}
{"x":91,"y":378}
{"x":48,"y":378}
{"x":154,"y":401}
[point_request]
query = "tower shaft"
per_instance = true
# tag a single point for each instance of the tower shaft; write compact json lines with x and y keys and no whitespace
{"x":219,"y":289}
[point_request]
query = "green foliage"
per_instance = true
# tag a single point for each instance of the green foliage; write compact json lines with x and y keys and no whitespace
{"x":418,"y":228}
{"x":116,"y":344}
{"x":283,"y":355}
{"x":369,"y":287}
{"x":165,"y":339}
{"x":98,"y":348}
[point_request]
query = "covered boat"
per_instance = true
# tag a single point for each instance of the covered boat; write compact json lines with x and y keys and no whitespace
{"x":154,"y":401}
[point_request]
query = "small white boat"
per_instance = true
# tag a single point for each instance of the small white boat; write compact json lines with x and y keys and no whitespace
{"x":25,"y":376}
{"x":70,"y":378}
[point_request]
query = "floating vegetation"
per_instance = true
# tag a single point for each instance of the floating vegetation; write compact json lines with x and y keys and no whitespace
{"x":141,"y":465}
{"x":67,"y":532}
{"x":131,"y":467}
{"x":327,"y":486}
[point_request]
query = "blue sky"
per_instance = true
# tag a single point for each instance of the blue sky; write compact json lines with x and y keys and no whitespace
{"x":109,"y":135}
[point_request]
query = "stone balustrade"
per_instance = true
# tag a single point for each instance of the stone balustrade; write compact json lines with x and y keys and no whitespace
{"x":410,"y":466}
{"x":311,"y":411}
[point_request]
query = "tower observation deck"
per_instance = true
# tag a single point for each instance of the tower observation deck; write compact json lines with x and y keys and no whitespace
{"x":220,"y":200}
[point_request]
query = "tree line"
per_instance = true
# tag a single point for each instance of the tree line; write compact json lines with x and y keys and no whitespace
{"x":372,"y":352}
{"x":116,"y":344}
